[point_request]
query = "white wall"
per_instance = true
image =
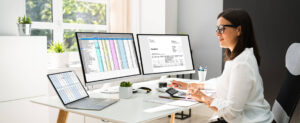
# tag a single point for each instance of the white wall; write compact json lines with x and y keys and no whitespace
{"x":171,"y":16}
{"x":198,"y":19}
{"x":9,"y":11}
{"x":155,"y":16}
{"x":152,"y":16}
{"x":23,"y":76}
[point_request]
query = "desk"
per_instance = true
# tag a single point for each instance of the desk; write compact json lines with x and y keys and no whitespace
{"x":126,"y":110}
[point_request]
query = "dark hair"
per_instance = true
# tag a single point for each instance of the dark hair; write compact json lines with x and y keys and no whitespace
{"x":239,"y":17}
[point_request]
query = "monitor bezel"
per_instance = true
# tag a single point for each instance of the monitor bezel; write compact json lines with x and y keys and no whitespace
{"x":110,"y":79}
{"x":48,"y":75}
{"x":170,"y":72}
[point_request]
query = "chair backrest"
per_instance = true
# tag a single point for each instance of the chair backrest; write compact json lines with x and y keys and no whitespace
{"x":289,"y":94}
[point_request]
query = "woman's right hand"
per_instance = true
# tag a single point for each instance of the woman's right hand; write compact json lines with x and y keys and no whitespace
{"x":184,"y":86}
{"x":178,"y":85}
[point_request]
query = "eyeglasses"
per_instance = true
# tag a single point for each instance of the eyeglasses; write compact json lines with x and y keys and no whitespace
{"x":221,"y":28}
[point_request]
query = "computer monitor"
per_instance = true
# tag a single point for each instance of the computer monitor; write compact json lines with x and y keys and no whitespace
{"x":107,"y":57}
{"x":165,"y":54}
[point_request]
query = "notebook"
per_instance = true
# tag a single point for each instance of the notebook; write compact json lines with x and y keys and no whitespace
{"x":72,"y":93}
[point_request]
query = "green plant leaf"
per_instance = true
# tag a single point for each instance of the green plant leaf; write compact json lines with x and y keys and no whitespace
{"x":24,"y":20}
{"x":19,"y":20}
{"x":28,"y":20}
{"x":125,"y":84}
{"x":57,"y":47}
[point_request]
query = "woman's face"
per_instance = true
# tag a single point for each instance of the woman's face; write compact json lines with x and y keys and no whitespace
{"x":227,"y":35}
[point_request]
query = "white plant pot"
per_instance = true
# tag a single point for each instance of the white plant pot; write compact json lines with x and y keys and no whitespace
{"x":59,"y":60}
{"x":125,"y":92}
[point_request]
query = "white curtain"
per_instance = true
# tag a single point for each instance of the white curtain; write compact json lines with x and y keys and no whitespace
{"x":119,"y":16}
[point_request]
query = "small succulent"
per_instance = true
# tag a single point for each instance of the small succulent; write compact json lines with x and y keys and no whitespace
{"x":125,"y":84}
{"x":57,"y":47}
{"x":24,"y":20}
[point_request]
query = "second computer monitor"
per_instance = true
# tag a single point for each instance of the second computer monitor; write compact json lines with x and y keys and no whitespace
{"x":107,"y":56}
{"x":165,"y":53}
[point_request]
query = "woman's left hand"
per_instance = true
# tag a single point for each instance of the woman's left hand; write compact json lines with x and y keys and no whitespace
{"x":198,"y":95}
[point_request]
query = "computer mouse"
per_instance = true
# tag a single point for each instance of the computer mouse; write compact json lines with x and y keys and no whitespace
{"x":145,"y":88}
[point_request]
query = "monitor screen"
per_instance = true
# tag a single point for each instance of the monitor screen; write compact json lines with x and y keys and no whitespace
{"x":165,"y":53}
{"x":106,"y":56}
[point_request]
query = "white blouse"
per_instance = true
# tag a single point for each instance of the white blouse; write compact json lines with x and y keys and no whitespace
{"x":239,"y":91}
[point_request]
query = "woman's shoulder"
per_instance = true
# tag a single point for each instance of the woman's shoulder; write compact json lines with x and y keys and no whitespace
{"x":247,"y":56}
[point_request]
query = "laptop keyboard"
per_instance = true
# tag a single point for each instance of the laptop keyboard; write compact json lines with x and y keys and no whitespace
{"x":87,"y":102}
{"x":91,"y":103}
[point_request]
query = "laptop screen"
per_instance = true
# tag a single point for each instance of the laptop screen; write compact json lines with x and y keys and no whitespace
{"x":67,"y":86}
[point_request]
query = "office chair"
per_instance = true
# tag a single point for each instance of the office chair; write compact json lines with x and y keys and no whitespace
{"x":288,"y":97}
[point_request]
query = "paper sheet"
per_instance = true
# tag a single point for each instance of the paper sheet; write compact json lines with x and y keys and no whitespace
{"x":182,"y":103}
{"x":160,"y":108}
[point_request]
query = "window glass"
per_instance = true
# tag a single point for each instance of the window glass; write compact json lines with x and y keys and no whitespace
{"x":43,"y":32}
{"x":80,"y":12}
{"x":39,"y":10}
{"x":70,"y":39}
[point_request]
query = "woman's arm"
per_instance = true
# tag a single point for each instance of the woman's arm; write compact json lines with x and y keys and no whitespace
{"x":184,"y":86}
{"x":241,"y":81}
{"x":201,"y":97}
{"x":209,"y":84}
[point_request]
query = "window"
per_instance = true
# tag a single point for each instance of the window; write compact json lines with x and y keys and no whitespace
{"x":59,"y":19}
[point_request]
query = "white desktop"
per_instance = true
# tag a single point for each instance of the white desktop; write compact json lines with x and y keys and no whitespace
{"x":112,"y":57}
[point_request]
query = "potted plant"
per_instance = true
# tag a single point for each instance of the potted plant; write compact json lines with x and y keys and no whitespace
{"x":59,"y":57}
{"x":125,"y":90}
{"x":24,"y":26}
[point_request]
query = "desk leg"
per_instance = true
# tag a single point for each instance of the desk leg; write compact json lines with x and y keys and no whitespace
{"x":172,"y":120}
{"x":62,"y":116}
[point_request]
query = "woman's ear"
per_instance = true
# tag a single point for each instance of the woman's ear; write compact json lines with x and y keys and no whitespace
{"x":239,"y":30}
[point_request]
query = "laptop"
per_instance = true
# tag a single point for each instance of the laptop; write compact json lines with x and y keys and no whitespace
{"x":72,"y":93}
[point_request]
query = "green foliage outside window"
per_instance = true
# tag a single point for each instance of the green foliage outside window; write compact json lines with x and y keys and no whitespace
{"x":74,"y":11}
{"x":84,"y":12}
{"x":39,"y":10}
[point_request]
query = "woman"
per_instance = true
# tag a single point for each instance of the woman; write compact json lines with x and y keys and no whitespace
{"x":239,"y":94}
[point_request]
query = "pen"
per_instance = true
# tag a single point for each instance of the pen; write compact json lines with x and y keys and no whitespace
{"x":169,"y":97}
{"x":201,"y":68}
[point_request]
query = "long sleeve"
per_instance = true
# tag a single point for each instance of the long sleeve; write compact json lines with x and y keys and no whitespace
{"x":211,"y":83}
{"x":241,"y":81}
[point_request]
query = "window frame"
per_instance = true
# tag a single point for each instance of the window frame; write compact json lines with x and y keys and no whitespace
{"x":57,"y":26}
